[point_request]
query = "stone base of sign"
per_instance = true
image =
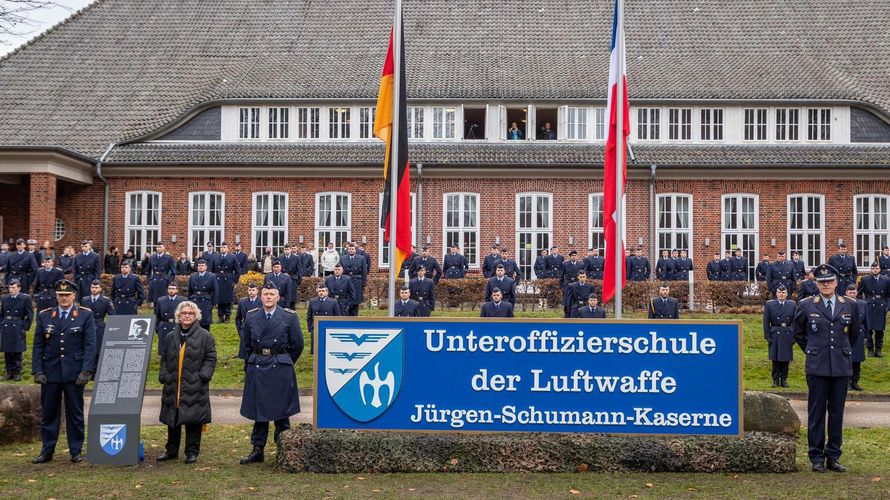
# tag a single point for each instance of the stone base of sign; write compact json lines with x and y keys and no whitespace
{"x":20,"y":411}
{"x":306,"y":450}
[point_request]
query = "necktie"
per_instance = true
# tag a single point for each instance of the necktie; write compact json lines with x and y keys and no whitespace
{"x":64,"y":315}
{"x":830,"y":305}
{"x":268,"y":316}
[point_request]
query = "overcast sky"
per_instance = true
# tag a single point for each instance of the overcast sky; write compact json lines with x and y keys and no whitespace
{"x":42,"y":21}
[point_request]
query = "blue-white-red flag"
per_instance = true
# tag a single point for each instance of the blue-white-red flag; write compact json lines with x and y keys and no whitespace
{"x":615,"y":164}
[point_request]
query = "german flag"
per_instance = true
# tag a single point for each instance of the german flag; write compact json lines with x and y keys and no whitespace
{"x":383,"y":129}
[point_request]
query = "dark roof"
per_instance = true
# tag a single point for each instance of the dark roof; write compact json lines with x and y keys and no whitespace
{"x":487,"y":154}
{"x":123,"y":68}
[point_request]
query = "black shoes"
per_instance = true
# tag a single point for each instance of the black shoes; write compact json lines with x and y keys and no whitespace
{"x":854,"y":384}
{"x":76,"y":459}
{"x":775,"y":382}
{"x":819,"y":467}
{"x":43,"y":458}
{"x":17,"y":376}
{"x":256,"y":456}
{"x":879,"y":353}
{"x":166,"y":457}
{"x":871,"y":352}
{"x":836,"y":466}
{"x":783,"y":381}
{"x":190,"y":459}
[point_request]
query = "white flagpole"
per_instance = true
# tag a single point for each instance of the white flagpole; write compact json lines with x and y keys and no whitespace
{"x":619,"y":160}
{"x":394,"y":154}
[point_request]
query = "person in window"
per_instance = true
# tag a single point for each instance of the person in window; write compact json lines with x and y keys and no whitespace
{"x":547,"y":133}
{"x":329,"y":259}
{"x":513,"y":133}
{"x":113,"y":261}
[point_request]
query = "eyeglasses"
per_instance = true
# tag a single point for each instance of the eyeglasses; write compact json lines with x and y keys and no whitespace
{"x":186,"y":313}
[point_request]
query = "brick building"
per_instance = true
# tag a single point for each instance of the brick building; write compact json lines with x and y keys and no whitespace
{"x":765,"y":128}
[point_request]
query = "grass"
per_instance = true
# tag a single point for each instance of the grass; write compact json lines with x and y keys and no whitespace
{"x":217,"y":474}
{"x":230,"y":374}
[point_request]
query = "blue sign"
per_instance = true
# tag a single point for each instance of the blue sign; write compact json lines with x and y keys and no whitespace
{"x":627,"y":377}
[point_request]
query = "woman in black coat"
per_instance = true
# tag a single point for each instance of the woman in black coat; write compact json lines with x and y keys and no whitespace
{"x":187,"y":366}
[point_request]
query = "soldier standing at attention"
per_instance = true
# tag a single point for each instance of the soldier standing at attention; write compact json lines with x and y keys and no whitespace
{"x":542,"y":270}
{"x":568,"y":272}
{"x":341,"y":289}
{"x":875,"y":290}
{"x":456,"y":265}
{"x":845,"y":266}
{"x":405,"y":306}
{"x":16,"y":315}
{"x":511,"y":268}
{"x":808,"y":287}
{"x":290,"y":265}
{"x":320,"y":306}
{"x":777,"y":317}
{"x":664,"y":268}
{"x":282,"y":283}
{"x":161,"y":270}
{"x":241,"y":257}
{"x":683,"y":266}
{"x":664,"y":306}
{"x":825,"y":327}
{"x":127,"y":292}
{"x":165,"y":312}
{"x":202,"y":291}
{"x":554,"y":263}
{"x":577,"y":294}
{"x":781,"y":272}
{"x":639,"y":268}
{"x":86,"y":268}
{"x":490,"y":261}
{"x":245,"y":305}
{"x":427,"y":261}
{"x":858,"y":356}
{"x":714,"y":268}
{"x":738,"y":267}
{"x":497,"y":308}
{"x":423,"y":290}
{"x":45,"y":284}
{"x":502,"y":283}
{"x":355,"y":266}
{"x":800,"y":269}
{"x":21,"y":265}
{"x":211,"y":258}
{"x":594,"y":264}
{"x":762,"y":268}
{"x":884,"y":261}
{"x":591,"y":311}
{"x":726,"y":267}
{"x":227,"y":274}
{"x":101,"y":307}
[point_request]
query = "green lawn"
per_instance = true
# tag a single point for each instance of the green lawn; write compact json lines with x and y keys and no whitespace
{"x":230,"y":375}
{"x":217,"y":474}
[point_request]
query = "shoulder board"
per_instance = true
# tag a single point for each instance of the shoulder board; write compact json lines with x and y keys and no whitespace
{"x":47,"y":309}
{"x":816,"y":299}
{"x":290,"y":310}
{"x":770,"y":301}
{"x":85,"y":308}
{"x":253,"y":310}
{"x":841,"y":299}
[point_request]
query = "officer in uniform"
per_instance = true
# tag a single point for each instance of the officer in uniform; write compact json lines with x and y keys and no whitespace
{"x":738,"y":267}
{"x":272,"y":343}
{"x":875,"y":291}
{"x":577,"y":294}
{"x":227,"y":274}
{"x":245,"y":305}
{"x":291,"y":265}
{"x":340,"y":289}
{"x":203,"y":291}
{"x":489,"y":262}
{"x":664,"y":267}
{"x":63,"y":361}
{"x":800,"y":269}
{"x":165,"y":312}
{"x":714,"y":268}
{"x":101,"y":307}
{"x":320,"y":306}
{"x":845,"y":266}
{"x":16,"y":314}
{"x":638,"y":268}
{"x":726,"y":267}
{"x":282,"y":282}
{"x":568,"y":272}
{"x":497,"y":308}
{"x":87,"y":267}
{"x":594,"y":264}
{"x":433,"y":271}
{"x":45,"y":284}
{"x":762,"y":268}
{"x":423,"y":290}
{"x":211,"y":258}
{"x":825,"y":327}
{"x":241,"y":257}
{"x":808,"y":287}
{"x":511,"y":268}
{"x":858,"y":347}
{"x":542,"y":269}
{"x":21,"y":265}
{"x":591,"y":311}
{"x":506,"y":285}
{"x":884,"y":261}
{"x":781,"y":272}
{"x":355,"y":266}
{"x":406,"y":264}
{"x":777,"y":317}
{"x":456,"y":265}
{"x":554,"y":263}
{"x":664,"y":306}
{"x":161,"y":270}
{"x":406,"y":307}
{"x":127,"y":292}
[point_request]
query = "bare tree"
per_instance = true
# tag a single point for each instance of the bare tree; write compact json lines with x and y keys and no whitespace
{"x":18,"y":17}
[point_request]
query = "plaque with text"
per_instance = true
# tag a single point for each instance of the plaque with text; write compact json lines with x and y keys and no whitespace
{"x":116,"y":404}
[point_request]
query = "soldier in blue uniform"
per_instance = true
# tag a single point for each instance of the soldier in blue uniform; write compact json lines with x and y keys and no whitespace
{"x":713,"y":269}
{"x":664,"y":268}
{"x":554,"y":263}
{"x":21,"y":265}
{"x":591,"y":311}
{"x":423,"y":290}
{"x":777,"y":317}
{"x":683,"y":266}
{"x":282,"y":282}
{"x":87,"y":267}
{"x":568,"y":272}
{"x":497,"y":308}
{"x":456,"y":265}
{"x":45,"y":284}
{"x":846,"y":268}
{"x":63,"y":361}
{"x":101,"y":307}
{"x":664,"y":306}
{"x":241,"y":257}
{"x":427,"y":261}
{"x":884,"y":261}
{"x":405,"y":270}
{"x":875,"y":291}
{"x":541,"y":266}
{"x":406,"y":307}
{"x":271,"y":342}
{"x":355,"y":267}
{"x":127,"y":292}
{"x":781,"y":272}
{"x":165,"y":312}
{"x":227,"y":274}
{"x":340,"y":289}
{"x":16,"y":315}
{"x":577,"y":294}
{"x":245,"y":305}
{"x":858,"y":347}
{"x":594,"y":264}
{"x":738,"y":267}
{"x":511,"y":268}
{"x":762,"y":268}
{"x":800,"y":269}
{"x":506,"y":285}
{"x":319,"y":307}
{"x":161,"y":270}
{"x":202,"y":291}
{"x":726,"y":266}
{"x":808,"y":287}
{"x":490,"y":261}
{"x":291,"y":265}
{"x":825,"y":327}
{"x":308,"y":261}
{"x":638,"y":268}
{"x":211,"y":258}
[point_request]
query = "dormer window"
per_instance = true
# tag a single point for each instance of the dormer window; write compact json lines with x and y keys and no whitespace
{"x":279,"y":123}
{"x":249,"y":123}
{"x":308,"y":123}
{"x":339,"y":123}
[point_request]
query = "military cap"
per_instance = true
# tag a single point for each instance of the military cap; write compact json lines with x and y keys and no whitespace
{"x":501,"y":266}
{"x":781,"y":288}
{"x":276,"y":262}
{"x":32,"y":241}
{"x":842,"y":245}
{"x":781,"y":252}
{"x":14,"y":281}
{"x":224,"y":244}
{"x":851,"y":287}
{"x":404,"y":287}
{"x":252,"y":284}
{"x":210,"y":244}
{"x":573,"y":252}
{"x":99,"y":282}
{"x":826,"y":273}
{"x":47,"y":258}
{"x":66,"y":287}
{"x":321,"y":286}
{"x":20,"y":240}
{"x":200,"y":261}
{"x":495,"y":290}
{"x":270,"y":285}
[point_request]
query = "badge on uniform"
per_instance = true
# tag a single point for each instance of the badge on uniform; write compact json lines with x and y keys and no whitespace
{"x":48,"y":331}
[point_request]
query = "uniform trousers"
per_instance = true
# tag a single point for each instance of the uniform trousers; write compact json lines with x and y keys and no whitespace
{"x":260,"y":432}
{"x":780,"y":369}
{"x":875,"y":339}
{"x":13,"y":361}
{"x":826,"y":395}
{"x":224,"y":311}
{"x":857,"y":371}
{"x":51,"y":397}
{"x":192,"y":439}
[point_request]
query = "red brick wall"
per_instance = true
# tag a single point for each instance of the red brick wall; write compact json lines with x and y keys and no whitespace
{"x":14,"y":207}
{"x":42,"y":209}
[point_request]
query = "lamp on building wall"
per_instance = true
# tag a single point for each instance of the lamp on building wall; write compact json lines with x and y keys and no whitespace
{"x":707,"y":242}
{"x":571,"y":240}
{"x":772,"y":242}
{"x":640,"y":241}
{"x":364,"y":240}
{"x":840,"y":241}
{"x":237,"y":239}
{"x":429,"y":239}
{"x":301,"y":238}
{"x":172,"y":238}
{"x":497,"y":240}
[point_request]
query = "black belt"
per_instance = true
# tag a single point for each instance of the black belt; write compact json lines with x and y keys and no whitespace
{"x":127,"y":297}
{"x":336,"y":296}
{"x":10,"y":318}
{"x":271,"y":352}
{"x":201,"y":293}
{"x":782,"y":325}
{"x":354,"y":275}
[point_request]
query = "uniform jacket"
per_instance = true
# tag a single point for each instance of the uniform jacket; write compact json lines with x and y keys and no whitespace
{"x":726,"y":269}
{"x":884,"y":262}
{"x":456,"y":266}
{"x":738,"y":269}
{"x":198,"y":365}
{"x":664,"y":308}
{"x":594,"y":266}
{"x":781,"y":272}
{"x":407,"y":309}
{"x":165,"y":309}
{"x":227,"y":274}
{"x":203,"y":291}
{"x":318,"y":307}
{"x":511,"y":269}
{"x":554,"y":265}
{"x":577,"y":294}
{"x":22,"y":266}
{"x":502,"y":309}
{"x":858,"y":346}
{"x":245,"y":305}
{"x":682,"y":267}
{"x":45,"y":286}
{"x":665,"y":269}
{"x":127,"y":293}
{"x":16,"y":315}
{"x":800,"y":269}
{"x":433,"y":270}
{"x":424,"y":292}
{"x":761,"y":270}
{"x":64,"y":348}
{"x":271,"y":347}
{"x":212,"y":259}
{"x":87,"y":266}
{"x":506,"y":285}
{"x":827,"y":339}
{"x":568,"y":272}
{"x":489,"y":264}
{"x":589,"y":312}
{"x":714,"y":271}
{"x":542,"y":271}
{"x":160,"y":267}
{"x":638,"y":268}
{"x":875,"y":291}
{"x":777,"y":318}
{"x":340,"y":290}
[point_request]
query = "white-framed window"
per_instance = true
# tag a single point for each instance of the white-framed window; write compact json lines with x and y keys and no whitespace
{"x":596,"y":226}
{"x":648,"y":124}
{"x":269,"y":222}
{"x":58,"y":230}
{"x":308,"y":123}
{"x":333,"y":219}
{"x":806,"y":227}
{"x":680,"y":124}
{"x":279,"y":123}
{"x":249,"y":123}
{"x":599,"y":130}
{"x":415,"y":122}
{"x":674,"y":221}
{"x":755,"y":124}
{"x":576,"y":123}
{"x":741,"y":227}
{"x":819,"y":124}
{"x":443,"y":123}
{"x":366,"y":117}
{"x":143,"y":228}
{"x":383,"y":247}
{"x":206,"y":220}
{"x":339,"y":122}
{"x":787,"y":124}
{"x":534,"y":229}
{"x":711,"y":124}
{"x":871,"y":231}
{"x":461,"y":224}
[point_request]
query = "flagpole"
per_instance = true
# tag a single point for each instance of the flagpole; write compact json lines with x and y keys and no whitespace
{"x":619,"y":160}
{"x":394,"y":167}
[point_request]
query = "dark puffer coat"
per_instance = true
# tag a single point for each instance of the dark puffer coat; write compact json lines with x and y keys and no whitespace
{"x":198,"y":365}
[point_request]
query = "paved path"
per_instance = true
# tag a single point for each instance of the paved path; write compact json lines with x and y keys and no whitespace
{"x":226,"y":410}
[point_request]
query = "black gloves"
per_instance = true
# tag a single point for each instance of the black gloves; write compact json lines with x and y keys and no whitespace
{"x":40,"y":378}
{"x":83,"y":378}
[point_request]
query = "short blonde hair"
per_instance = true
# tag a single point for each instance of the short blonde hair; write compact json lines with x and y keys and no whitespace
{"x":192,"y":306}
